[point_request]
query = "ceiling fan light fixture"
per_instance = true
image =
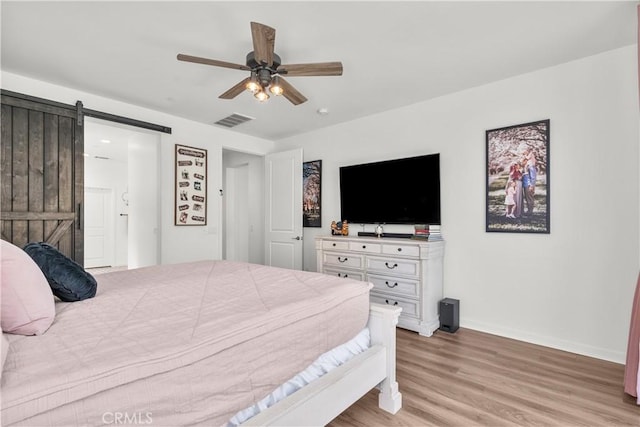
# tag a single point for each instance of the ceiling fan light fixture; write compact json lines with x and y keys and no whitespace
{"x":265,"y":66}
{"x":252,"y":85}
{"x":275,"y":87}
{"x":264,"y":77}
{"x":261,"y":95}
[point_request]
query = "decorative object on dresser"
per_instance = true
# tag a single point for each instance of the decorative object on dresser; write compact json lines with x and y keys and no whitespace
{"x":345,"y":227}
{"x":337,"y":228}
{"x":404,"y":273}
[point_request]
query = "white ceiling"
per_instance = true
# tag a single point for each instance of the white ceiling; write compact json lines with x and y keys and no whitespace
{"x":394,"y":53}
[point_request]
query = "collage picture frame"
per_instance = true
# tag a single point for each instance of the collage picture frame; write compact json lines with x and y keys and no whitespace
{"x":190,"y":186}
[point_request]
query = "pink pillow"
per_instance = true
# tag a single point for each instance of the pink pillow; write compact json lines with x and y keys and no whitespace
{"x":28,"y":307}
{"x":4,"y":348}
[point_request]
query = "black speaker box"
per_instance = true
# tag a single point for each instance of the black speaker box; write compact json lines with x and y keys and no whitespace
{"x":449,"y":315}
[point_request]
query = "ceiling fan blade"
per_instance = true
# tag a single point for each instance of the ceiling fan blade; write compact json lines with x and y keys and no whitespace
{"x":316,"y":69}
{"x":264,"y":39}
{"x":235,"y":90}
{"x":291,"y":93}
{"x":214,"y":62}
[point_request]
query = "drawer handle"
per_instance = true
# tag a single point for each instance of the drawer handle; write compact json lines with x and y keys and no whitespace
{"x":345,"y":276}
{"x":364,"y":246}
{"x":391,"y":286}
{"x":399,"y":249}
{"x":334,"y":245}
{"x":342,"y":259}
{"x":390,"y":267}
{"x":387,"y":301}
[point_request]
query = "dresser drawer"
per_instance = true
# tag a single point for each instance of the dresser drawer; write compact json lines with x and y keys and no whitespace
{"x":370,"y":248}
{"x":356,"y":275}
{"x":343,"y":260}
{"x":404,"y":250}
{"x":395,"y":286}
{"x":393,"y":266}
{"x":332,"y":244}
{"x":409,"y":308}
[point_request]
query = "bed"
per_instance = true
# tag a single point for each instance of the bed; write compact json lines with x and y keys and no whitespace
{"x":194,"y":343}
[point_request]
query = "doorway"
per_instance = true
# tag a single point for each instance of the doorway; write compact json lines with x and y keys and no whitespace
{"x":243,"y":207}
{"x":122,"y":196}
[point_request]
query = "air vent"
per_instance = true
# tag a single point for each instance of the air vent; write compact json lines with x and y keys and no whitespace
{"x":233,"y":120}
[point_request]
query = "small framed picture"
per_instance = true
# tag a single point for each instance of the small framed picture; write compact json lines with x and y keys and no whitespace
{"x":518,"y":178}
{"x":191,"y":186}
{"x":311,"y":200}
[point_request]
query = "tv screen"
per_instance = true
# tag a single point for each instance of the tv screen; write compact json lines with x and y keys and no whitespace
{"x":400,"y":191}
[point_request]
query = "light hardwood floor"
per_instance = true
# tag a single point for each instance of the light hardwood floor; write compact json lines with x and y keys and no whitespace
{"x":475,"y":379}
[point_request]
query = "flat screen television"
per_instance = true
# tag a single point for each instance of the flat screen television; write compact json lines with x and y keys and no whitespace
{"x":400,"y":191}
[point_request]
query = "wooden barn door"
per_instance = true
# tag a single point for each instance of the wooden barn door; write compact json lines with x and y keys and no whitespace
{"x":42,"y":173}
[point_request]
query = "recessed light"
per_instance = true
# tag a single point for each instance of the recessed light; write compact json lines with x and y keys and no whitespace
{"x":105,"y":141}
{"x":323,"y":111}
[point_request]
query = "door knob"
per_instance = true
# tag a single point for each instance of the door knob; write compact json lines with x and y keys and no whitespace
{"x":296,"y":238}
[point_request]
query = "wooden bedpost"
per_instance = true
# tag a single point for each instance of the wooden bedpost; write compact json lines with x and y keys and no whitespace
{"x":382,"y":325}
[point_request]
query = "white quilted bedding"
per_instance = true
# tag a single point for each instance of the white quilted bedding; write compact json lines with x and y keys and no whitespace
{"x":178,"y":344}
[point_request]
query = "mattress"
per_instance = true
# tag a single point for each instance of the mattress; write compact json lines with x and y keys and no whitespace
{"x":178,"y":344}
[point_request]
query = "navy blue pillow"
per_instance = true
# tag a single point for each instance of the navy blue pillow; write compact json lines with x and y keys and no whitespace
{"x":68,"y":280}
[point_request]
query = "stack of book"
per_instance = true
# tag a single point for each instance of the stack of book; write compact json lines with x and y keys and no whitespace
{"x":434,"y":232}
{"x":421,"y":231}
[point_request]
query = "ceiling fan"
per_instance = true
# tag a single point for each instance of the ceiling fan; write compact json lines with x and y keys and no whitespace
{"x":267,"y":69}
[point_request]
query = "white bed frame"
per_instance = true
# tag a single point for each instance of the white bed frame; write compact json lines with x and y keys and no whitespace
{"x":324,"y":399}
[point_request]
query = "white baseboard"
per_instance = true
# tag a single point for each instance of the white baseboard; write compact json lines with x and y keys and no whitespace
{"x":570,"y":346}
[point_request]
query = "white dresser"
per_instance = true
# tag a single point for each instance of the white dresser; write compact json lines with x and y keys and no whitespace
{"x":404,"y":272}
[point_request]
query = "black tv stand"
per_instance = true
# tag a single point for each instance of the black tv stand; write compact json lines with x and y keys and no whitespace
{"x":387,"y":235}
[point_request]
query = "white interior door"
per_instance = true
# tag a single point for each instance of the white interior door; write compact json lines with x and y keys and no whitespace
{"x":98,"y":227}
{"x":283,"y":210}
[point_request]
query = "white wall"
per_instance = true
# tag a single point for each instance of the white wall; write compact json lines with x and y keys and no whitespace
{"x":178,"y":244}
{"x":571,"y":289}
{"x":144,"y":216}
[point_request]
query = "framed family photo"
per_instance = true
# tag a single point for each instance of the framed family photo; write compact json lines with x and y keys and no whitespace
{"x":191,"y":186}
{"x":518,"y":178}
{"x":311,"y":200}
